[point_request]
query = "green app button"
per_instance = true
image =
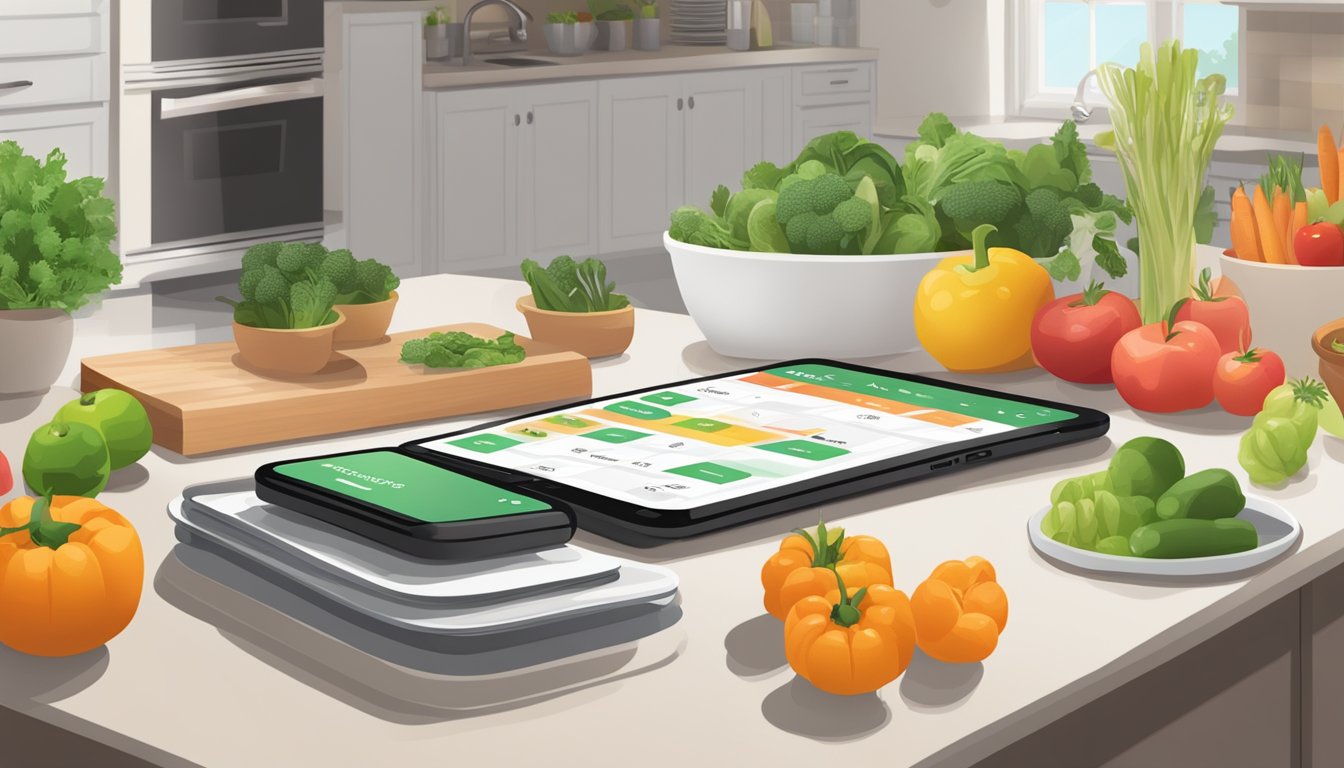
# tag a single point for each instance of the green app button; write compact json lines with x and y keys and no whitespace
{"x":803,"y":449}
{"x":485,"y":443}
{"x":702,"y":425}
{"x":615,"y":435}
{"x":638,"y":410}
{"x":667,"y":398}
{"x":711,"y":472}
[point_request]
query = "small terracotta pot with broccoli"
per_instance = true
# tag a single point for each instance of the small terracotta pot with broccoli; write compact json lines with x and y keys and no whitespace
{"x":286,"y":322}
{"x":574,"y":307}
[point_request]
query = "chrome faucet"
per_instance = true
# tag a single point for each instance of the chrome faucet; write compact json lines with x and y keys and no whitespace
{"x":1081,"y":112}
{"x":517,"y":28}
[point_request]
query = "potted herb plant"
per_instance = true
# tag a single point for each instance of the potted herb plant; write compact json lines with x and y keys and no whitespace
{"x":569,"y":33}
{"x":366,"y":296}
{"x":436,"y":34}
{"x":613,"y":19}
{"x":573,"y":306}
{"x":286,"y":322}
{"x":54,"y":255}
{"x":648,"y":27}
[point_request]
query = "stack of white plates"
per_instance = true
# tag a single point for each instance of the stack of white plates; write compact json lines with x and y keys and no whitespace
{"x":461,"y":619}
{"x":699,"y":22}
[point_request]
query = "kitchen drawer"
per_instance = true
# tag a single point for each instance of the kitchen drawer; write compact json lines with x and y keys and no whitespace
{"x":68,"y":80}
{"x":50,"y":35}
{"x":826,"y":84}
{"x":12,"y":8}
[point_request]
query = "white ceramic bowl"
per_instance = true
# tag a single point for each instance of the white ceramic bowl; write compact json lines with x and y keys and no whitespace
{"x":1287,"y":304}
{"x":772,"y":306}
{"x":570,"y":39}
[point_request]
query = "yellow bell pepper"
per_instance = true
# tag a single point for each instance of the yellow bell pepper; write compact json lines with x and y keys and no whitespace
{"x":973,"y":312}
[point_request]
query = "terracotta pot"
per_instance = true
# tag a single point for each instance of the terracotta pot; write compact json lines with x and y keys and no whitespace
{"x":1332,"y":362}
{"x":34,"y":344}
{"x":298,"y":351}
{"x":591,"y":334}
{"x":365,"y":324}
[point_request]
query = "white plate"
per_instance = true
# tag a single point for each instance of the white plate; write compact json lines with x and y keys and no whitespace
{"x":1278,"y":531}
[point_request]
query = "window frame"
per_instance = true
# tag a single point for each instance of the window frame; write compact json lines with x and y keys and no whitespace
{"x":1025,"y":45}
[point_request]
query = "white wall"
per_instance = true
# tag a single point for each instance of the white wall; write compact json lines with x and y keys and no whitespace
{"x":936,"y":55}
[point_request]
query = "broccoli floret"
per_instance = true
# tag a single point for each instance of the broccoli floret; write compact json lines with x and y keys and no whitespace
{"x":1045,"y":225}
{"x":693,"y":226}
{"x":796,"y":230}
{"x":292,"y":258}
{"x":415,"y":351}
{"x":828,"y":191}
{"x":260,"y":255}
{"x":247,"y":284}
{"x":825,"y":236}
{"x":564,"y":271}
{"x":373,"y":279}
{"x":339,"y":268}
{"x":853,"y":215}
{"x":973,"y":203}
{"x":272,"y":288}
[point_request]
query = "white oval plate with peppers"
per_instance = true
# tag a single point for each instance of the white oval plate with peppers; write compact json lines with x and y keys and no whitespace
{"x":1277,"y":529}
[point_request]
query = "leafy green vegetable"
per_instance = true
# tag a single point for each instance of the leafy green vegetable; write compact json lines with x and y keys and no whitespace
{"x":295,"y":285}
{"x":569,"y":286}
{"x":456,"y":349}
{"x":822,"y":215}
{"x":1165,"y":123}
{"x":610,"y":10}
{"x":562,"y":17}
{"x":54,"y":234}
{"x":913,"y":228}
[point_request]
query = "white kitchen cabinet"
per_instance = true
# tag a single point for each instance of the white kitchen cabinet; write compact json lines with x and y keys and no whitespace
{"x":81,"y":133}
{"x":722,"y":134}
{"x":640,"y":168}
{"x":516,"y":174}
{"x":833,"y":97}
{"x":811,"y":122}
{"x":380,"y":77}
{"x":557,"y":193}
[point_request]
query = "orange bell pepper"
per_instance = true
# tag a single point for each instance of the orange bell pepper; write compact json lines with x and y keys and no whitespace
{"x":71,"y":571}
{"x":851,"y":644}
{"x":960,"y":611}
{"x":808,"y":561}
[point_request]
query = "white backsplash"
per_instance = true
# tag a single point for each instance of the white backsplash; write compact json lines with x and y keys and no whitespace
{"x":1294,"y":70}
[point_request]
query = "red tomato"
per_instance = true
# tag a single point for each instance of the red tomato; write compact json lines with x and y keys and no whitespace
{"x":6,"y":476}
{"x":1319,"y":245}
{"x":1226,"y":316}
{"x":1073,"y":337}
{"x":1166,"y":371}
{"x":1242,"y":380}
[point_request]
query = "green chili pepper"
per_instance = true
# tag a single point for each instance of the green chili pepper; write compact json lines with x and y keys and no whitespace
{"x":1275,"y":447}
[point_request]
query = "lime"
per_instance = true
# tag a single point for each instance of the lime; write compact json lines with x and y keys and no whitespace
{"x":764,"y":231}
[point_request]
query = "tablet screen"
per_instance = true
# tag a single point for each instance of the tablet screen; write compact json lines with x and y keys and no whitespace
{"x":705,"y":442}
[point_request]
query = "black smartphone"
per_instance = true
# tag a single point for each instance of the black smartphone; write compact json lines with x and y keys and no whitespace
{"x":415,"y":506}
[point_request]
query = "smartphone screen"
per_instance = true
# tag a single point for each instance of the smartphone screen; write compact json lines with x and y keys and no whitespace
{"x":410,"y":487}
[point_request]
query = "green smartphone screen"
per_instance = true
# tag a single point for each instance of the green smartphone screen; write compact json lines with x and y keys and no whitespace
{"x":415,"y":489}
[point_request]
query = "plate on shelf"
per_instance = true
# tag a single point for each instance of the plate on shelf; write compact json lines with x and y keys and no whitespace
{"x":1278,"y":531}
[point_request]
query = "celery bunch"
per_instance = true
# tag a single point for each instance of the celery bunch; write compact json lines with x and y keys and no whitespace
{"x":1165,"y":123}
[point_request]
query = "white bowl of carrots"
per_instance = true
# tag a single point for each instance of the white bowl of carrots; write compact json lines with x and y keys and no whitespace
{"x":1287,"y":300}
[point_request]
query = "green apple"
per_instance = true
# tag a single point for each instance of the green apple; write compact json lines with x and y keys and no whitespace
{"x":66,"y":459}
{"x":119,"y":417}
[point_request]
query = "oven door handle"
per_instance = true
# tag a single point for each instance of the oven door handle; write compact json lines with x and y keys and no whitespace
{"x":273,"y":93}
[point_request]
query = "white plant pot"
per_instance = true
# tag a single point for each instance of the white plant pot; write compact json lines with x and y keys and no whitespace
{"x":611,"y":35}
{"x":34,"y":343}
{"x":774,"y":306}
{"x":648,"y":34}
{"x":570,"y":39}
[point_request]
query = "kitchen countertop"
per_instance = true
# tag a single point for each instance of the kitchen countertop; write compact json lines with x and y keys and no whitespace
{"x":669,"y":60}
{"x":174,"y":688}
{"x":1237,"y":142}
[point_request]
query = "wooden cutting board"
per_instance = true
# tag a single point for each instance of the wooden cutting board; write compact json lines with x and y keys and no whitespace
{"x":203,"y":398}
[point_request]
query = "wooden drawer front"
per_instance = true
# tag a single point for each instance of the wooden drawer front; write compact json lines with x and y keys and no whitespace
{"x":76,"y":80}
{"x":50,"y":35}
{"x":835,"y":80}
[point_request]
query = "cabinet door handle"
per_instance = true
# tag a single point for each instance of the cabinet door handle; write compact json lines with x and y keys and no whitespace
{"x":529,"y":118}
{"x":15,"y":85}
{"x":680,"y":103}
{"x":517,"y":120}
{"x":839,"y":82}
{"x":691,"y":102}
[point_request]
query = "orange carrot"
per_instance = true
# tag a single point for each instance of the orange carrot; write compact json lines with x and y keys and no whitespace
{"x":1283,"y":214}
{"x":1245,"y":240}
{"x":1270,"y":241}
{"x":1339,"y":193}
{"x":1299,"y":221}
{"x":1330,"y":160}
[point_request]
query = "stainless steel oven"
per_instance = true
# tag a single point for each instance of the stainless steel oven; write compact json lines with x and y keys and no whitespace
{"x":216,"y":29}
{"x":229,"y":159}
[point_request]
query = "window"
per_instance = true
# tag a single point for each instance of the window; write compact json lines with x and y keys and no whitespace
{"x":1061,"y":40}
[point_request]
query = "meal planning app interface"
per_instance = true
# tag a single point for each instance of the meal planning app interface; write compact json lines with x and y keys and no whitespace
{"x":712,"y":441}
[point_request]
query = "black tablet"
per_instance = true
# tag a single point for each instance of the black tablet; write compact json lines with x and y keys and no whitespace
{"x":683,"y":459}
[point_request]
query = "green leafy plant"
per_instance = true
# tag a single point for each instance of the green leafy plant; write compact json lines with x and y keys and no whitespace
{"x":648,"y":9}
{"x":456,"y":349}
{"x":610,"y":10}
{"x":439,"y":15}
{"x":1165,"y":123}
{"x":282,"y":287}
{"x":563,"y":17}
{"x":365,"y":281}
{"x":54,"y":234}
{"x":569,"y":286}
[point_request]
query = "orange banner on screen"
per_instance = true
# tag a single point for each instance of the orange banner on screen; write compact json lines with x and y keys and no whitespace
{"x":829,"y":393}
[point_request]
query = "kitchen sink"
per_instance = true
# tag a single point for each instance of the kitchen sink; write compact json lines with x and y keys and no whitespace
{"x":513,"y":61}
